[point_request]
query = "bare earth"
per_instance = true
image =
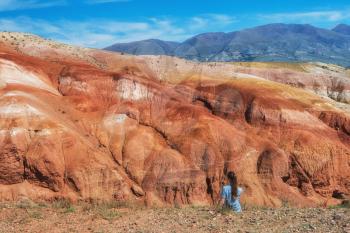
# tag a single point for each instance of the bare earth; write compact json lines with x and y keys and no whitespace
{"x":63,"y":217}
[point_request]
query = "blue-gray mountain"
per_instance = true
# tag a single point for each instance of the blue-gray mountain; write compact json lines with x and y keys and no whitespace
{"x":272,"y":42}
{"x":343,"y":29}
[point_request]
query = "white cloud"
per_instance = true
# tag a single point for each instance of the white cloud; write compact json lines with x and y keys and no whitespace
{"x":11,"y":5}
{"x":312,"y":16}
{"x":223,"y":19}
{"x":101,"y":33}
{"x":215,"y":21}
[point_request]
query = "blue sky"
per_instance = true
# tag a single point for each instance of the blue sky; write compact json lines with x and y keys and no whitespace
{"x":99,"y":23}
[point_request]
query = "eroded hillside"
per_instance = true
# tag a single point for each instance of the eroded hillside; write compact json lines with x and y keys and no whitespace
{"x":87,"y":124}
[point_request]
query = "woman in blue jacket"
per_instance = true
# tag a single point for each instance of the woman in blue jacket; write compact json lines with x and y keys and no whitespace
{"x":231,"y":193}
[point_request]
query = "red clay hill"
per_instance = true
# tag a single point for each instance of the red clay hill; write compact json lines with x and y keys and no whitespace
{"x":85,"y":124}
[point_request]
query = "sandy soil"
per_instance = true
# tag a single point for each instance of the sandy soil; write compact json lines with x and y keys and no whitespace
{"x":63,"y":217}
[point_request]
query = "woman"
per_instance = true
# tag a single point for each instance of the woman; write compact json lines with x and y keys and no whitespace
{"x":231,"y":193}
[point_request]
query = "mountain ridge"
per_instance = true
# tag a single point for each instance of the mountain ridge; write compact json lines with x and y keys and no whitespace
{"x":271,"y":42}
{"x":158,"y":47}
{"x":342,"y":28}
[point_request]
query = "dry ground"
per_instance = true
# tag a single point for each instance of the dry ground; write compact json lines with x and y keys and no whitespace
{"x":61,"y":216}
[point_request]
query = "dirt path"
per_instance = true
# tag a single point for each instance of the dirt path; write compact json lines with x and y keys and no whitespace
{"x":62,"y":217}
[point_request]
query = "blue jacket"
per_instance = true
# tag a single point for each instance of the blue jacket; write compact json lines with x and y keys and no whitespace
{"x":229,"y":201}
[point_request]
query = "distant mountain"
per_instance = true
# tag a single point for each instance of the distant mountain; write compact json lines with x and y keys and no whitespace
{"x":272,"y":42}
{"x":152,"y":46}
{"x":342,"y":28}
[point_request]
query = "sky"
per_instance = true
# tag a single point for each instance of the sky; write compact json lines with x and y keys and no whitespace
{"x":100,"y":23}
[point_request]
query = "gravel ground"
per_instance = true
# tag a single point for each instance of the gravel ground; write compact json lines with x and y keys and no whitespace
{"x":63,"y":217}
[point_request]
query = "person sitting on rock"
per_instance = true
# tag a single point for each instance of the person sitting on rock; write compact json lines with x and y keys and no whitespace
{"x":231,"y":193}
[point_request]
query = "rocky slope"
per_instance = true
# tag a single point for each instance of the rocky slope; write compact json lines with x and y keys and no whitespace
{"x":272,"y":42}
{"x":92,"y":125}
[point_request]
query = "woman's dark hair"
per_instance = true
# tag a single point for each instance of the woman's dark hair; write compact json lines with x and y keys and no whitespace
{"x":233,"y":182}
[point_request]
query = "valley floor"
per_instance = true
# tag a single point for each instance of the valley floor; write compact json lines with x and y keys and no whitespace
{"x":63,"y":217}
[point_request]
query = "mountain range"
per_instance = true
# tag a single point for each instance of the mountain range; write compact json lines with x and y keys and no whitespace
{"x":272,"y":42}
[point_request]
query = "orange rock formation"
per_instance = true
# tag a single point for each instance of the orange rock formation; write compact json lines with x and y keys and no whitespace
{"x":85,"y":124}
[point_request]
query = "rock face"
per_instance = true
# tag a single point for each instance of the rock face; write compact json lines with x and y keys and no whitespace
{"x":91,"y":125}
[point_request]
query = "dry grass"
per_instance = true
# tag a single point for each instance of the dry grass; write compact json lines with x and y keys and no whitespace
{"x":120,"y":217}
{"x":295,"y":66}
{"x":269,"y":89}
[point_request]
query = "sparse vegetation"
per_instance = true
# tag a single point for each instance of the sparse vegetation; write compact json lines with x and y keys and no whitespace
{"x":70,"y":209}
{"x":25,"y":204}
{"x":63,"y":206}
{"x":35,"y":214}
{"x":115,"y":217}
{"x":224,"y":210}
{"x":107,"y":214}
{"x":344,"y":204}
{"x":336,"y":90}
{"x":295,"y":66}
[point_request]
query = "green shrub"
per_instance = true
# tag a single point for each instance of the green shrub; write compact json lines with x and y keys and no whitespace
{"x":344,"y":204}
{"x":69,"y":209}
